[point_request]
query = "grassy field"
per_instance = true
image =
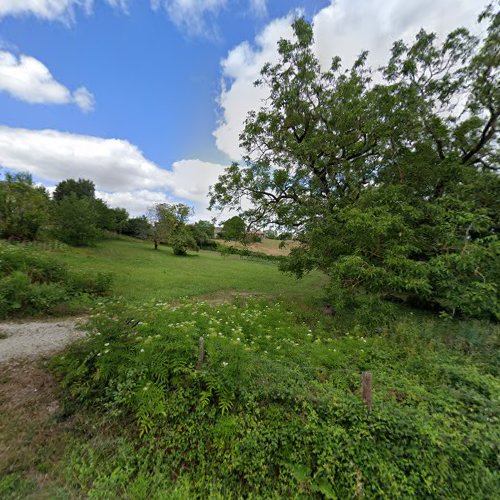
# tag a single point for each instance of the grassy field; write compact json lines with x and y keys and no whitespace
{"x":141,"y":273}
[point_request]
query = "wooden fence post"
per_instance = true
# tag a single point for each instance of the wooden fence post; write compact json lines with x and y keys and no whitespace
{"x":366,"y":388}
{"x":201,"y":353}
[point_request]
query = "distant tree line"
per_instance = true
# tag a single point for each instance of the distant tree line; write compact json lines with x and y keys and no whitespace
{"x":74,"y":215}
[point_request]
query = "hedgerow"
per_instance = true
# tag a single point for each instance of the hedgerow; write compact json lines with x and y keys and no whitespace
{"x":273,"y":409}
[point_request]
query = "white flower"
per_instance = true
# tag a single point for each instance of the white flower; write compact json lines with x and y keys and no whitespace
{"x":238,"y":339}
{"x":106,"y":344}
{"x":99,"y":354}
{"x":106,"y":351}
{"x":142,"y":350}
{"x":225,"y":363}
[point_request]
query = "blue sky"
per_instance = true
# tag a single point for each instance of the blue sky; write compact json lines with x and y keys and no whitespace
{"x":147,"y":98}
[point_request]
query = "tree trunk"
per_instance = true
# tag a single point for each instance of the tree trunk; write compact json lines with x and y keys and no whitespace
{"x":156,"y":244}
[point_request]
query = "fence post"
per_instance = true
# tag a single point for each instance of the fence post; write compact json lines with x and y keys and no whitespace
{"x":201,"y":353}
{"x":366,"y":389}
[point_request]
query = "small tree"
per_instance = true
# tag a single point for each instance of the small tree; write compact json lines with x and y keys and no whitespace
{"x":168,"y":222}
{"x":183,"y":240}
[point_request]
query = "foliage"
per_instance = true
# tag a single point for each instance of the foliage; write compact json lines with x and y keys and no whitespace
{"x":32,"y":284}
{"x":233,"y":229}
{"x":275,"y":408}
{"x":183,"y":240}
{"x":24,"y":208}
{"x":168,"y":223}
{"x":389,"y":184}
{"x":137,"y":227}
{"x":81,"y":188}
{"x":203,"y":232}
{"x":74,"y":220}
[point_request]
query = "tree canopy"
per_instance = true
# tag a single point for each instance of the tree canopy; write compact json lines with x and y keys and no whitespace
{"x":234,"y":228}
{"x":389,"y":178}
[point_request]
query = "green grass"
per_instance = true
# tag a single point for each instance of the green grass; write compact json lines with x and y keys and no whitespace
{"x":141,"y":273}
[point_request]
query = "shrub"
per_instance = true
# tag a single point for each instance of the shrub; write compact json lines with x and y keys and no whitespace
{"x":274,"y":410}
{"x":32,"y":284}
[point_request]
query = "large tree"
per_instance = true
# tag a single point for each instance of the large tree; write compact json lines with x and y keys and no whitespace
{"x":389,"y":178}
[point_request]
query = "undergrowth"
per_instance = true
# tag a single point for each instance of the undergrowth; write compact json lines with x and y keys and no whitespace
{"x":274,"y":409}
{"x":32,"y":283}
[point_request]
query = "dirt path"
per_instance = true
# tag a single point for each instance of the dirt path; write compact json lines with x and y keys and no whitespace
{"x":34,"y":338}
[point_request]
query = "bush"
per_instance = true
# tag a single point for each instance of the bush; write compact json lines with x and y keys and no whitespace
{"x":32,"y":284}
{"x":275,"y":410}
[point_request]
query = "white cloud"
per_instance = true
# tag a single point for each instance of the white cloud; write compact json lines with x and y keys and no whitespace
{"x":190,"y":179}
{"x":28,"y":79}
{"x":259,"y":7}
{"x":136,"y":202}
{"x":122,"y":174}
{"x":242,"y":67}
{"x":197,"y":17}
{"x":344,"y":28}
{"x":53,"y":10}
{"x":84,"y":99}
{"x":190,"y":15}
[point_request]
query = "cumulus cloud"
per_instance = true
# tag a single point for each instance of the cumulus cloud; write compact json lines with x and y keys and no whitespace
{"x":240,"y":69}
{"x":190,"y":179}
{"x":344,"y":28}
{"x":122,"y":174}
{"x":28,"y":79}
{"x":52,"y":10}
{"x":136,"y":202}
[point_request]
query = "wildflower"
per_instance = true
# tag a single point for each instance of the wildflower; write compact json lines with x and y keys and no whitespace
{"x":106,"y":351}
{"x":225,"y":363}
{"x":238,"y":339}
{"x":142,"y":350}
{"x":106,"y":344}
{"x":98,"y":354}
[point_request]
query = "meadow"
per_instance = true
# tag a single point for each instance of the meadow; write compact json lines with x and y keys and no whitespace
{"x":141,"y":273}
{"x":268,"y":405}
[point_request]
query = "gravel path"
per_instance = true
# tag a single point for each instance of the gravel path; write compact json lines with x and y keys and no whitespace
{"x":34,"y":338}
